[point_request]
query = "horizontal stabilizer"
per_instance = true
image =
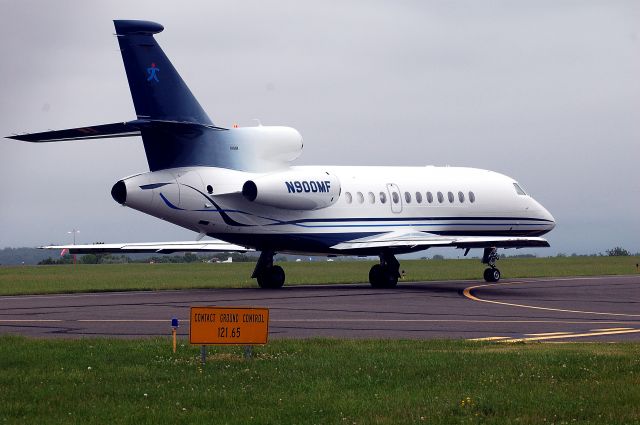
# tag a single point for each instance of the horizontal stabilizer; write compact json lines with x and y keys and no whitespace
{"x":121,"y":129}
{"x":213,"y":245}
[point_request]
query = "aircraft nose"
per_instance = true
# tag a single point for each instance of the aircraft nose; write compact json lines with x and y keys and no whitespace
{"x":552,"y":220}
{"x":546,"y":215}
{"x":543,"y":214}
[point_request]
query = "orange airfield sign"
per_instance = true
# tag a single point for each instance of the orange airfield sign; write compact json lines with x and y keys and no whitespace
{"x":228,"y":325}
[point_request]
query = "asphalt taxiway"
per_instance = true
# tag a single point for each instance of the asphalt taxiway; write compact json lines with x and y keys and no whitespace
{"x":603,"y":308}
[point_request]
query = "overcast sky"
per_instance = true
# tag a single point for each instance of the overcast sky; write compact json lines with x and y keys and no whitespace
{"x":547,"y":92}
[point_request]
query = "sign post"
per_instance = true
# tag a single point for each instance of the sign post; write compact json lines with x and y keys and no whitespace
{"x":174,"y":326}
{"x":228,"y":326}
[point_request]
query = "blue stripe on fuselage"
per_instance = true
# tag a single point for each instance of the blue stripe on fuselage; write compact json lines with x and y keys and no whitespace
{"x":169,"y":204}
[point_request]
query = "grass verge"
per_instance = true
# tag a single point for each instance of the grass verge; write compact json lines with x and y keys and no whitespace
{"x":318,"y":381}
{"x":123,"y":277}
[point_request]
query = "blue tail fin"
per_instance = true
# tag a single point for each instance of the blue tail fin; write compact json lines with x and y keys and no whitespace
{"x":158,"y":91}
{"x":175,"y":130}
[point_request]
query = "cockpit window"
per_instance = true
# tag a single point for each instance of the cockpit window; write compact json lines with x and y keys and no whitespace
{"x":519,"y":190}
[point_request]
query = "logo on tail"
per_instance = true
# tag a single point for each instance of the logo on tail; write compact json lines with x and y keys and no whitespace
{"x":152,"y":73}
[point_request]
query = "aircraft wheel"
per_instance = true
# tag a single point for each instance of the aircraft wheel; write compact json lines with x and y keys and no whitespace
{"x":271,"y":278}
{"x":487,"y":278}
{"x":495,"y":275}
{"x":277,"y":277}
{"x":390,"y":279}
{"x":491,"y":274}
{"x":382,"y":277}
{"x":375,"y":276}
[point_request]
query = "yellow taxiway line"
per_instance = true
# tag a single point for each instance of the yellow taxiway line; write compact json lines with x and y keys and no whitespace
{"x":549,"y":334}
{"x":559,"y":335}
{"x":490,"y":338}
{"x":467,"y":293}
{"x":602,"y":332}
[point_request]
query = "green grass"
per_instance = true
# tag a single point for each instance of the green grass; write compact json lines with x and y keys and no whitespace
{"x":121,"y":277}
{"x":318,"y":381}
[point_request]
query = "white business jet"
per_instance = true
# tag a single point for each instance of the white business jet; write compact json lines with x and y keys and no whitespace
{"x":237,"y":185}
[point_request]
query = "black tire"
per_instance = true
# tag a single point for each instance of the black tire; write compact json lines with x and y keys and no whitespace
{"x":382,"y":277}
{"x":491,"y":274}
{"x":390,"y":278}
{"x":277,"y":277}
{"x":487,"y":275}
{"x":495,"y":275}
{"x":271,"y":278}
{"x":375,"y":276}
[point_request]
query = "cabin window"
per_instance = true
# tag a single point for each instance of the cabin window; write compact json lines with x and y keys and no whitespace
{"x":461,"y":197}
{"x":519,"y":189}
{"x":440,"y":197}
{"x":360,"y":197}
{"x":429,"y":197}
{"x":419,"y":197}
{"x":348,"y":197}
{"x":209,"y":189}
{"x":395,"y":197}
{"x":372,"y":198}
{"x":451,"y":197}
{"x":407,"y":197}
{"x":472,"y":197}
{"x":383,"y":197}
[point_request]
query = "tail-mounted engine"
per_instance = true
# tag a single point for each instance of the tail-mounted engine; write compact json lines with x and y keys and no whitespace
{"x":294,"y":190}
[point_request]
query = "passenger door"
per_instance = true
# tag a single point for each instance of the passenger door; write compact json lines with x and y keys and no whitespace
{"x":395,"y":200}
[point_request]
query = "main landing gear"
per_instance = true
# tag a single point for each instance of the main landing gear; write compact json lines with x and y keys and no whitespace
{"x":385,"y":274}
{"x":268,"y":275}
{"x":491,"y":273}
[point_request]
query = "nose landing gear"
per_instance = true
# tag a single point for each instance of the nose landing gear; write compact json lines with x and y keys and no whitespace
{"x":489,"y":257}
{"x":491,"y":274}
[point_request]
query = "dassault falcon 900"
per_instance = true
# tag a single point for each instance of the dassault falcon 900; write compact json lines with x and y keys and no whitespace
{"x":237,"y":185}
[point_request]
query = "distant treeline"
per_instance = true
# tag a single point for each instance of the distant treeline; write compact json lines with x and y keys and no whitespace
{"x":13,"y":256}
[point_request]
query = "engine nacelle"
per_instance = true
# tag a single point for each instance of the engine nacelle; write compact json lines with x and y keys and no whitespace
{"x":294,"y":190}
{"x":261,"y":149}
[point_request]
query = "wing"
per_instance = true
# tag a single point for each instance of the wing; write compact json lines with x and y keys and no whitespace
{"x":213,"y":245}
{"x":411,"y":240}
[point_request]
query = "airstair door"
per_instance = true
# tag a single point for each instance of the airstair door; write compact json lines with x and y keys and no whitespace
{"x":395,"y":200}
